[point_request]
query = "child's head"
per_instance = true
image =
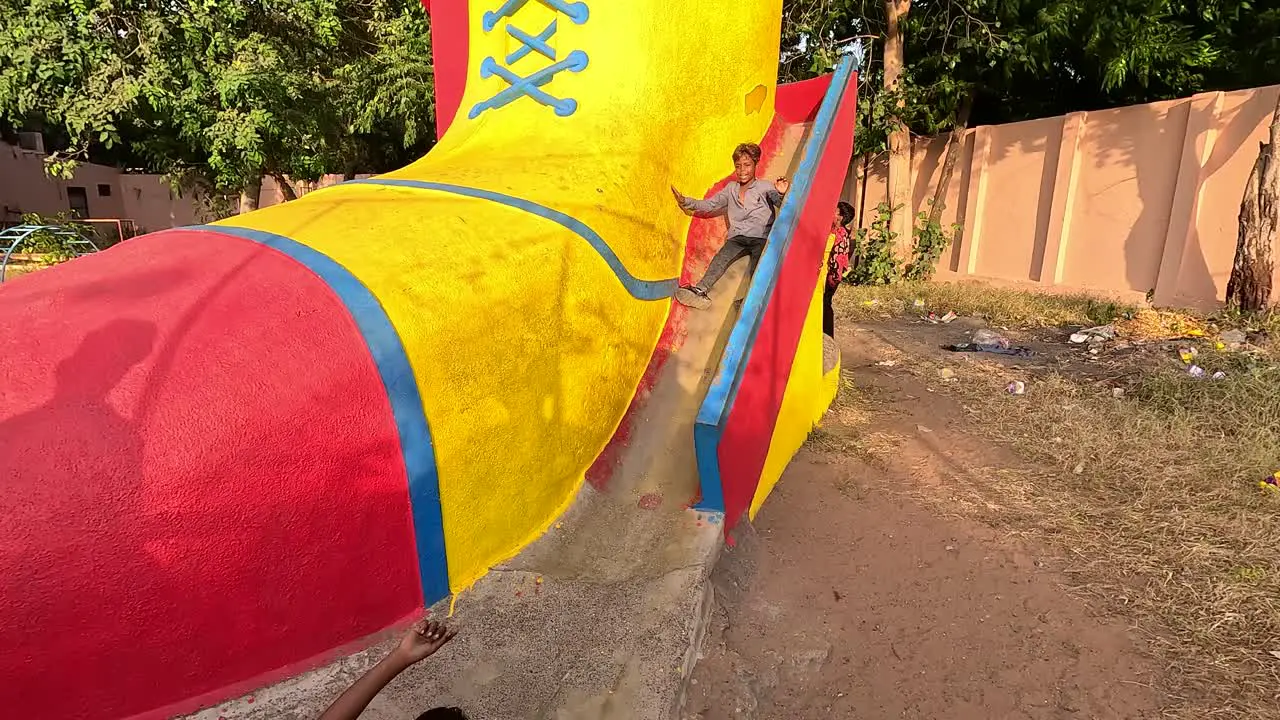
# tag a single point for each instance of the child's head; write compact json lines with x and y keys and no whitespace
{"x":844,"y":213}
{"x":745,"y":158}
{"x":443,"y":713}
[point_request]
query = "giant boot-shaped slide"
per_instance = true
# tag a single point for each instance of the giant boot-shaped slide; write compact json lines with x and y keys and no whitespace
{"x":230,"y":451}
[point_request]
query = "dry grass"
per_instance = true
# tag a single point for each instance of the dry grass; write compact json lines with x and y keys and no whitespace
{"x":1154,"y":496}
{"x":1165,"y":516}
{"x":998,"y":306}
{"x":1006,"y":307}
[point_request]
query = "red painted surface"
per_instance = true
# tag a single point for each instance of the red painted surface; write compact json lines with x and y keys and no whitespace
{"x":749,"y":428}
{"x":799,"y":102}
{"x":202,"y":480}
{"x":704,"y":238}
{"x":449,"y":57}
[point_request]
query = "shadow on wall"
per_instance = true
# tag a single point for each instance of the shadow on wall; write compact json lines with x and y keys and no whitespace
{"x":107,"y":465}
{"x":129,"y":557}
{"x":1232,"y":143}
{"x":1136,"y":200}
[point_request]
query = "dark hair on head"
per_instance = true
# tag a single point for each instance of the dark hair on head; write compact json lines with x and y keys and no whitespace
{"x":443,"y":713}
{"x":846,"y":212}
{"x":750,"y":150}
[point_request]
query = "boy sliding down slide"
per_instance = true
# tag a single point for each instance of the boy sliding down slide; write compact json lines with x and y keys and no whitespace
{"x":750,"y":204}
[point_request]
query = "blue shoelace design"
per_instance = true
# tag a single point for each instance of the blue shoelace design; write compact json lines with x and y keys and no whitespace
{"x":531,"y":86}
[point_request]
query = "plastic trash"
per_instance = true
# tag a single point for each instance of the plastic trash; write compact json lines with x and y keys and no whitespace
{"x":1017,"y":387}
{"x":995,"y":349}
{"x":1219,"y":375}
{"x":1187,"y":354}
{"x":887,"y":363}
{"x":1117,"y":393}
{"x":1233,"y":337}
{"x":989,"y":337}
{"x":917,"y":303}
{"x":1099,"y":333}
{"x":1196,"y":371}
{"x":946,"y":373}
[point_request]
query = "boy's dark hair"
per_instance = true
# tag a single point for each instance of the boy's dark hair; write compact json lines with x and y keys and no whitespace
{"x":750,"y":150}
{"x":846,"y":212}
{"x":443,"y":713}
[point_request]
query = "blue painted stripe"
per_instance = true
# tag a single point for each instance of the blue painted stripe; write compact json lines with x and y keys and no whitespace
{"x":639,"y":289}
{"x":532,"y":43}
{"x":575,"y":11}
{"x":714,"y":411}
{"x":402,"y":390}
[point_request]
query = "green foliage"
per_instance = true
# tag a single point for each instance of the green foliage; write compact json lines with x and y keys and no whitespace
{"x":1035,"y":58}
{"x":871,"y":251}
{"x":873,"y":261}
{"x":930,"y":240}
{"x":49,"y":247}
{"x":219,"y":92}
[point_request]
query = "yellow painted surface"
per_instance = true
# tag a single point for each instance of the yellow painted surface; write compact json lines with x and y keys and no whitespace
{"x":526,"y":348}
{"x":808,"y":395}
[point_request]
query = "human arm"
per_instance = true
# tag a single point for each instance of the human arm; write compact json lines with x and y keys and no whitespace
{"x":423,"y":639}
{"x":714,"y":205}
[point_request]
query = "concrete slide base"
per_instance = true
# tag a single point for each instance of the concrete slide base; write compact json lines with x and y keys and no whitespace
{"x":601,"y":618}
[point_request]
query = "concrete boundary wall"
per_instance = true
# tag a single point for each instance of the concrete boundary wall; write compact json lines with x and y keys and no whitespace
{"x":1120,"y":202}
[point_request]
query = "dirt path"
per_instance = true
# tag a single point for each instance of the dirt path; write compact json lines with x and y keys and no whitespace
{"x":851,"y":599}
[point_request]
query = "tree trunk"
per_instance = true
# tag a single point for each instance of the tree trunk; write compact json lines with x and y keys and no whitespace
{"x":249,"y":195}
{"x":1250,"y":286}
{"x":862,"y":194}
{"x":954,"y":143}
{"x":899,"y":136}
{"x":286,"y":188}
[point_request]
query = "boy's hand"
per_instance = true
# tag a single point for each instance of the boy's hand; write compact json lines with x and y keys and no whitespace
{"x":423,"y":639}
{"x":782,"y":184}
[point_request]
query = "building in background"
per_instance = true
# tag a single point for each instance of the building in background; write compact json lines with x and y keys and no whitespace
{"x":120,"y":203}
{"x":95,"y":192}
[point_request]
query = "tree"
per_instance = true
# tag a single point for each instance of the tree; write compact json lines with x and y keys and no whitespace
{"x":895,"y":12}
{"x":1249,"y":288}
{"x":993,"y":61}
{"x":220,"y":92}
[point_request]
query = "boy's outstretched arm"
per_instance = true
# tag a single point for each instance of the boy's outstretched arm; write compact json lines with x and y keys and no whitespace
{"x":712,"y":206}
{"x":423,"y":639}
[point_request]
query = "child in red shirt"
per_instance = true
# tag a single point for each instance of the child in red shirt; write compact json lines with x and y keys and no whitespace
{"x":837,"y":264}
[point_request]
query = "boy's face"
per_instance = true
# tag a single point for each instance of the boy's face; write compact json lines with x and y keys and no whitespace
{"x":744,"y":169}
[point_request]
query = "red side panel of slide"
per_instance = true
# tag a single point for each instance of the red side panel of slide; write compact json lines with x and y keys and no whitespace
{"x":448,"y":56}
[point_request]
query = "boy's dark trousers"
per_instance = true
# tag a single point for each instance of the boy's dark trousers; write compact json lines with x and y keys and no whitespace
{"x":734,"y":248}
{"x":828,"y":312}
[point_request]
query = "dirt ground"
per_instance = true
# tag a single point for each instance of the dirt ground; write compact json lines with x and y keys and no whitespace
{"x":850,"y":598}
